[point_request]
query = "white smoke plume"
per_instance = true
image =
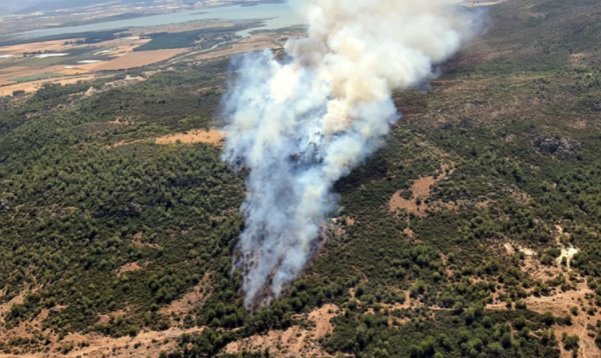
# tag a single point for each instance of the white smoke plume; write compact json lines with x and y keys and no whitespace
{"x":301,"y":123}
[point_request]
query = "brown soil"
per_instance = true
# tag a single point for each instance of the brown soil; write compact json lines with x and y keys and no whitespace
{"x":420,"y":193}
{"x":122,"y":49}
{"x":106,"y":319}
{"x":531,"y":264}
{"x":535,"y":269}
{"x":135,"y":59}
{"x":580,"y":59}
{"x":509,"y":249}
{"x":8,"y":75}
{"x":145,"y":344}
{"x":398,"y":202}
{"x":44,"y":46}
{"x":560,"y":305}
{"x":36,"y":85}
{"x":5,"y":308}
{"x":484,"y":204}
{"x":211,"y":136}
{"x":409,"y":233}
{"x":129,"y":267}
{"x":26,"y":330}
{"x":191,"y":300}
{"x":295,"y":341}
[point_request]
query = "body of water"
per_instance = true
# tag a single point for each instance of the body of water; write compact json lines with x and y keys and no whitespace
{"x":274,"y":16}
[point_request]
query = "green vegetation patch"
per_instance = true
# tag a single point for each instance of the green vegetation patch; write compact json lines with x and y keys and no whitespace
{"x":84,"y":191}
{"x":203,"y":38}
{"x":38,"y":77}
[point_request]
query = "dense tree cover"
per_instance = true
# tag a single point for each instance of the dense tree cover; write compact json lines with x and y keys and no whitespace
{"x":75,"y":207}
{"x":445,"y":335}
{"x":202,"y":38}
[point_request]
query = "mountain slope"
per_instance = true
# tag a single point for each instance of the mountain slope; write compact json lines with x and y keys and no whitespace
{"x":474,"y":232}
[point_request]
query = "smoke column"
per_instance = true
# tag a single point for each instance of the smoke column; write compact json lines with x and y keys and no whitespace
{"x":301,"y":123}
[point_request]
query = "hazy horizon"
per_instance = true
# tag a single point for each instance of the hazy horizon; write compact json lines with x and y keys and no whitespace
{"x":41,"y":5}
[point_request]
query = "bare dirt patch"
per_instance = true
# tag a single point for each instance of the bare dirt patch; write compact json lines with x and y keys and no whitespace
{"x":409,"y":233}
{"x":211,"y":136}
{"x":322,"y":318}
{"x":531,"y":264}
{"x":43,"y":46}
{"x":580,"y":59}
{"x":18,"y":299}
{"x":19,"y":74}
{"x":34,"y":86}
{"x":295,"y":341}
{"x":30,"y":74}
{"x":106,"y":319}
{"x":136,"y":59}
{"x":29,"y":330}
{"x":509,"y":249}
{"x":129,"y":267}
{"x":191,"y":300}
{"x":416,"y":205}
{"x":560,"y":305}
{"x":145,"y":344}
{"x":567,"y":250}
{"x":420,"y":193}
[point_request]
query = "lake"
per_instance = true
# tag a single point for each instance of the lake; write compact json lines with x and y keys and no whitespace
{"x":274,"y":16}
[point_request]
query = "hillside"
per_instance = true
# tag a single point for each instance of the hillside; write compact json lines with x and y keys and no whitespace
{"x":475,"y":232}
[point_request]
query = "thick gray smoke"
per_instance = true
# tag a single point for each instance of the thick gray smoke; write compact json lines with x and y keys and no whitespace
{"x":299,"y":125}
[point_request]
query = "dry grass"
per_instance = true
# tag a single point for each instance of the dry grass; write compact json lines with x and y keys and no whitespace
{"x":135,"y":59}
{"x":129,"y":267}
{"x":34,"y":86}
{"x":145,"y":344}
{"x":121,"y":49}
{"x":190,"y":300}
{"x":211,"y":136}
{"x":295,"y":341}
{"x":195,"y":136}
{"x":43,"y":46}
{"x":560,"y":305}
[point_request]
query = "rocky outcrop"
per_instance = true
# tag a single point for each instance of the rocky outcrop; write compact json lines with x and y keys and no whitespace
{"x":556,"y":146}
